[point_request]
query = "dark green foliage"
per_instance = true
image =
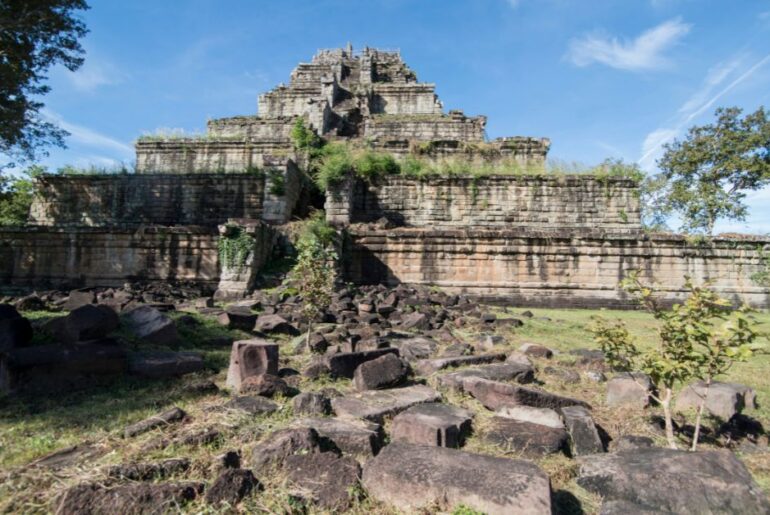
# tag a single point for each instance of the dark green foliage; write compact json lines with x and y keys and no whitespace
{"x":706,"y":175}
{"x":16,"y":196}
{"x":34,"y":35}
{"x":277,"y":182}
{"x":235,"y":246}
{"x":303,"y":137}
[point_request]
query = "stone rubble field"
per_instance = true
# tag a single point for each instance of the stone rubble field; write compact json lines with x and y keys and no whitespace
{"x":403,"y":400}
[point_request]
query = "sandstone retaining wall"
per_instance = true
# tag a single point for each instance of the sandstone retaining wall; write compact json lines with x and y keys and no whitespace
{"x":552,"y":270}
{"x":187,"y":156}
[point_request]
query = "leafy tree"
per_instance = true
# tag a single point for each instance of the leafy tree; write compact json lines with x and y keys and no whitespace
{"x":706,"y":175}
{"x":34,"y":35}
{"x":700,"y":338}
{"x":16,"y":194}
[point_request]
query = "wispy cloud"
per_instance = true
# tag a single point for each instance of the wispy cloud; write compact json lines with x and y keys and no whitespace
{"x":95,"y":74}
{"x":645,"y":52}
{"x":513,"y":3}
{"x":88,"y":137}
{"x":699,"y":102}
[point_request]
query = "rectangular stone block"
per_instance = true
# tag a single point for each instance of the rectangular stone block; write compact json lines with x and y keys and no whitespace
{"x":251,"y":358}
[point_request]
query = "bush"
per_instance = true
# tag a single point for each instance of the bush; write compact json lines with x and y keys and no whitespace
{"x":16,"y":195}
{"x":336,"y":163}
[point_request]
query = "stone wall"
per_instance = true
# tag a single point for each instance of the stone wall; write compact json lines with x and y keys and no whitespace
{"x":566,"y":203}
{"x":163,"y":199}
{"x":251,"y":127}
{"x":43,"y":257}
{"x":426,"y":127}
{"x":542,"y":269}
{"x":209,"y":156}
{"x":407,"y":98}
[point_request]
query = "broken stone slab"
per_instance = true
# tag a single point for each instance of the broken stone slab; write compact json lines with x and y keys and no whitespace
{"x":413,"y":349}
{"x":231,"y":487}
{"x":251,"y":358}
{"x":345,"y":364}
{"x":494,"y":372}
{"x":432,"y":423}
{"x":166,"y":418}
{"x":629,"y":442}
{"x":413,"y":477}
{"x":252,"y":405}
{"x":375,"y":405}
{"x":151,"y":470}
{"x":266,"y":385}
{"x":354,"y":437}
{"x":629,"y":389}
{"x":274,"y":324}
{"x":494,"y":395}
{"x":150,"y":325}
{"x":273,"y":450}
{"x":131,"y":498}
{"x":78,"y":298}
{"x":88,"y":322}
{"x":325,"y":479}
{"x":583,"y":434}
{"x":541,"y":416}
{"x":311,"y":403}
{"x":427,"y":367}
{"x":723,"y":400}
{"x":536,"y":351}
{"x":674,"y":481}
{"x":238,"y":318}
{"x":162,"y":364}
{"x":67,"y":457}
{"x":525,"y":438}
{"x":386,"y":371}
{"x":415,"y":320}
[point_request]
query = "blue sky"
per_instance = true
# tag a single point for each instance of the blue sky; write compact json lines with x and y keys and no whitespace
{"x":601,"y":78}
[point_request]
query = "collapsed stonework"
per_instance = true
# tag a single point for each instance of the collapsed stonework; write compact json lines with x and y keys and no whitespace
{"x":522,"y":237}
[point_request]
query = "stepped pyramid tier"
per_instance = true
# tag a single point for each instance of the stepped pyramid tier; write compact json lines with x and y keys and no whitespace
{"x":370,"y":95}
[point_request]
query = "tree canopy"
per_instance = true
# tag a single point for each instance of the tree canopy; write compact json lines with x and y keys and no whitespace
{"x":705,"y":176}
{"x":34,"y":35}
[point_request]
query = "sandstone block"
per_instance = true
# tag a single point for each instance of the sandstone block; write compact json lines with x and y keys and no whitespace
{"x":166,"y":418}
{"x":494,"y":372}
{"x":723,"y":400}
{"x":345,"y":364}
{"x":526,"y":438}
{"x":432,"y":424}
{"x":375,"y":405}
{"x":427,"y":367}
{"x":494,"y":395}
{"x":583,"y":434}
{"x":354,"y":437}
{"x":149,"y":324}
{"x":324,"y":479}
{"x":161,"y":364}
{"x":273,"y":450}
{"x":386,"y":371}
{"x":629,"y":389}
{"x":250,"y":358}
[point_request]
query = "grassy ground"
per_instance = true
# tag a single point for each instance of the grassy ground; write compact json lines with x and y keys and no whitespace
{"x":31,"y":427}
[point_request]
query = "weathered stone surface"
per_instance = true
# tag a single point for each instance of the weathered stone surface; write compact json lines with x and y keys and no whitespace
{"x":274,"y":324}
{"x":535,"y":350}
{"x":250,"y":358}
{"x":79,"y":298}
{"x":629,"y":442}
{"x":565,"y":375}
{"x":151,"y":325}
{"x":625,"y":508}
{"x":494,"y":395}
{"x":162,"y":419}
{"x":69,"y":456}
{"x":251,"y":405}
{"x":512,"y":371}
{"x":277,"y":446}
{"x":384,"y":372}
{"x":266,"y":385}
{"x":129,"y":499}
{"x":427,"y":367}
{"x":345,"y":364}
{"x":722,"y":399}
{"x":412,"y":349}
{"x":324,"y":479}
{"x":150,"y":470}
{"x":525,"y":438}
{"x":311,"y":403}
{"x":231,"y":487}
{"x":628,"y":389}
{"x":238,"y":318}
{"x":583,"y":434}
{"x":674,"y":481}
{"x":415,"y":321}
{"x":410,"y":477}
{"x":375,"y":405}
{"x":161,"y":364}
{"x":88,"y":322}
{"x":541,"y":416}
{"x":355,"y":437}
{"x":432,"y":424}
{"x":15,"y":330}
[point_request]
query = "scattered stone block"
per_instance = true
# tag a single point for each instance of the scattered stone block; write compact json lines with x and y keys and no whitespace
{"x":494,"y":395}
{"x":274,"y":324}
{"x":87,"y":322}
{"x":674,"y":481}
{"x":494,"y":372}
{"x":525,"y":438}
{"x":148,"y":471}
{"x":415,"y":320}
{"x":31,"y":302}
{"x":251,"y":358}
{"x":564,"y":375}
{"x":629,"y":442}
{"x":238,"y":318}
{"x":166,"y":418}
{"x":324,"y":479}
{"x":536,"y":351}
{"x":311,"y":403}
{"x":540,"y":416}
{"x":67,"y":457}
{"x":354,"y":437}
{"x":345,"y":364}
{"x":427,"y":367}
{"x":273,"y":450}
{"x":629,"y":389}
{"x":251,"y":405}
{"x":412,"y":349}
{"x":432,"y":424}
{"x":266,"y":385}
{"x":78,"y":298}
{"x":150,"y":325}
{"x":131,"y":498}
{"x":15,"y":331}
{"x":375,"y":405}
{"x":162,"y":364}
{"x":231,"y":487}
{"x":723,"y":400}
{"x":386,"y":371}
{"x":583,"y":434}
{"x":414,"y":477}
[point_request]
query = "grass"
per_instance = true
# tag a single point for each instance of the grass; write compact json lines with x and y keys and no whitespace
{"x":32,"y":427}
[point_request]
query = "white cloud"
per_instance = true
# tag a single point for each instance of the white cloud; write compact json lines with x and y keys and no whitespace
{"x":513,"y":3}
{"x":643,"y":53}
{"x":87,"y":137}
{"x":93,"y":75}
{"x":698,"y":103}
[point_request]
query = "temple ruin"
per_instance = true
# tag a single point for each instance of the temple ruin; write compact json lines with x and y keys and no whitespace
{"x":539,"y":239}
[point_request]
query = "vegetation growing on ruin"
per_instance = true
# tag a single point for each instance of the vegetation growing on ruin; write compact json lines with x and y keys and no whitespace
{"x":762,"y":277}
{"x":16,"y":195}
{"x":277,"y":182}
{"x":235,"y":246}
{"x":699,"y":339}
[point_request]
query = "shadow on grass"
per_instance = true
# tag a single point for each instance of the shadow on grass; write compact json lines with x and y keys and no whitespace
{"x":563,"y":502}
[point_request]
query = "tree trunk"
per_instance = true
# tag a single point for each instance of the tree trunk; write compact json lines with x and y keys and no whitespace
{"x":698,"y":418}
{"x":666,"y":404}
